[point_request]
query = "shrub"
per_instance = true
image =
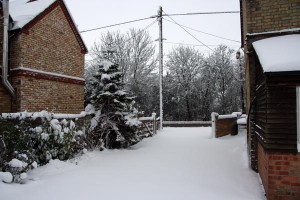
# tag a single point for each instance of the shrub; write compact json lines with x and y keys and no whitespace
{"x":28,"y":140}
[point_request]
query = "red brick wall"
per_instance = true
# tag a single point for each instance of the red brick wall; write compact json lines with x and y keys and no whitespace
{"x":266,"y":15}
{"x":280,"y":174}
{"x":5,"y":99}
{"x":15,"y":54}
{"x":53,"y":96}
{"x":51,"y":46}
{"x":263,"y":166}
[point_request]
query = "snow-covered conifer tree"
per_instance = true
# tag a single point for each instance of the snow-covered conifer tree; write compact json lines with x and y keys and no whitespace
{"x":117,"y":123}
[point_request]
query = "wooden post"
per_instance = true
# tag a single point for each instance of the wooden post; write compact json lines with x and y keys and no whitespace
{"x":154,"y":122}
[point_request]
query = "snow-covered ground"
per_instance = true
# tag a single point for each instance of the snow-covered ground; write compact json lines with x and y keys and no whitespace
{"x":176,"y":164}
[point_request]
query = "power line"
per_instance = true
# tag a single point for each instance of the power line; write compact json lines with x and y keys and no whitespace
{"x":205,"y":32}
{"x":197,"y":45}
{"x":138,"y":33}
{"x":142,"y":19}
{"x":189,"y":32}
{"x":144,"y":29}
{"x":136,"y":20}
{"x":203,"y":13}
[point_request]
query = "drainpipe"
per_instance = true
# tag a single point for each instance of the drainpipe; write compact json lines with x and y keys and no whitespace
{"x":6,"y":83}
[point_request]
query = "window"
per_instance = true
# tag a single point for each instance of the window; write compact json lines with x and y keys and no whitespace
{"x":298,"y":118}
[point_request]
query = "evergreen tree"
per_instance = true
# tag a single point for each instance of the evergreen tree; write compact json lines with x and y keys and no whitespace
{"x":117,"y":122}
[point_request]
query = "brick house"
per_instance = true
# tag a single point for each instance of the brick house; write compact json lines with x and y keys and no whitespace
{"x":45,"y":58}
{"x":271,"y":42}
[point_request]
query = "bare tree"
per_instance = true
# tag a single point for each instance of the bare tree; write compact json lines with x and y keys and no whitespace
{"x":221,"y":62}
{"x":197,"y":86}
{"x":185,"y":64}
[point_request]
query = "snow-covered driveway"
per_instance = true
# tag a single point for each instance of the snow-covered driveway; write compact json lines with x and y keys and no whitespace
{"x":176,"y":164}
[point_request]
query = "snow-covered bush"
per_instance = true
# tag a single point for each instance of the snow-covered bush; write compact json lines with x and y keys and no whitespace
{"x":57,"y":139}
{"x":29,"y":140}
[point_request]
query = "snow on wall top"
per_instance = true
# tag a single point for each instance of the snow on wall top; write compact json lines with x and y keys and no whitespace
{"x":275,"y":32}
{"x":23,"y":12}
{"x":279,"y":54}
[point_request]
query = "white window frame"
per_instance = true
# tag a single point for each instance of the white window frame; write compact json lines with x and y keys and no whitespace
{"x":298,"y":118}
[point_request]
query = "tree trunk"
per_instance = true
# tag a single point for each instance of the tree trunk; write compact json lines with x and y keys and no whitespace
{"x":188,"y":109}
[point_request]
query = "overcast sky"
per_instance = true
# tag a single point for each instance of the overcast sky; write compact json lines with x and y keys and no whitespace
{"x":89,"y":14}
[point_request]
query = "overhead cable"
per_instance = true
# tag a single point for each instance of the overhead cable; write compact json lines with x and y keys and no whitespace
{"x":139,"y":32}
{"x":188,"y":32}
{"x":137,"y":20}
{"x":142,"y":19}
{"x":196,"y":45}
{"x":204,"y":32}
{"x":203,"y":13}
{"x":144,"y":29}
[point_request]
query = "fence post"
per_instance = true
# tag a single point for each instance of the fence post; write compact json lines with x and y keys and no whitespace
{"x":154,"y":122}
{"x":213,"y":124}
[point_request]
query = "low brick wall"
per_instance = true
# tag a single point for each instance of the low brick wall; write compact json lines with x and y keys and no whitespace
{"x":280,"y":174}
{"x":226,"y":126}
{"x":187,"y":123}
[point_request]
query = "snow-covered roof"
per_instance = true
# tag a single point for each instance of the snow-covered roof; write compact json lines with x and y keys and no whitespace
{"x":23,"y":11}
{"x":279,"y":54}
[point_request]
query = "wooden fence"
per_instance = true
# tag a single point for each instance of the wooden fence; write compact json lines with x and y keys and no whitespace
{"x":149,"y":125}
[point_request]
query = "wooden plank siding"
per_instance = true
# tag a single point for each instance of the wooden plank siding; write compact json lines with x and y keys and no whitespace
{"x":282,"y":116}
{"x":275,"y":121}
{"x":260,"y":106}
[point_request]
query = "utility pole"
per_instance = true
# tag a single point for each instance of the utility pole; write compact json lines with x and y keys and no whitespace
{"x":160,"y":40}
{"x":239,"y":58}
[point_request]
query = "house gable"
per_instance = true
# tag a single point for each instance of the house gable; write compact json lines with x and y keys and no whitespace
{"x":48,"y":68}
{"x":47,"y":63}
{"x":49,"y":46}
{"x":28,"y":21}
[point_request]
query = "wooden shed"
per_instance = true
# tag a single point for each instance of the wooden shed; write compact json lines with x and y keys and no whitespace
{"x":275,"y":114}
{"x":277,"y":79}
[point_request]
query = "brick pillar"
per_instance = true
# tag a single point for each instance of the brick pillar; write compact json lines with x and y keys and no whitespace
{"x":280,"y":174}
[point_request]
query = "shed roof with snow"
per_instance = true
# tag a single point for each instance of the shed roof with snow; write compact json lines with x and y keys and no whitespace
{"x":279,"y":54}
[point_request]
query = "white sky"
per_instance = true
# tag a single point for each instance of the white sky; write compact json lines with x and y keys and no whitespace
{"x":89,"y":14}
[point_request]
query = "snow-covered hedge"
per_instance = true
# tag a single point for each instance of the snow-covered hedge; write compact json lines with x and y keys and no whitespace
{"x":31,"y":139}
{"x":28,"y":140}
